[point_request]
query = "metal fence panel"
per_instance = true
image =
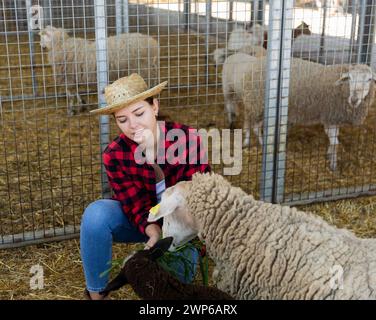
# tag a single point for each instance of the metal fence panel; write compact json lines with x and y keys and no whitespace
{"x":50,"y":163}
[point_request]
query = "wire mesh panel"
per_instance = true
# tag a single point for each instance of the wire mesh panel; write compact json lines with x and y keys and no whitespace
{"x":52,"y":55}
{"x":330,"y":151}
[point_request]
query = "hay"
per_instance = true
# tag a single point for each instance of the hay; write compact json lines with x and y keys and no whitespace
{"x":63,"y":274}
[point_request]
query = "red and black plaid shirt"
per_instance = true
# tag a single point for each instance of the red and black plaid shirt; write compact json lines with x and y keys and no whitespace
{"x":134,"y":184}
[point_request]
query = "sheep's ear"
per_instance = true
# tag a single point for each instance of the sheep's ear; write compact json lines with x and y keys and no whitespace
{"x":167,"y":207}
{"x":119,"y":281}
{"x":345,"y":76}
{"x":160,"y":248}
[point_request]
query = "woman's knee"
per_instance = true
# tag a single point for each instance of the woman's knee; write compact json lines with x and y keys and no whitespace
{"x":98,"y":213}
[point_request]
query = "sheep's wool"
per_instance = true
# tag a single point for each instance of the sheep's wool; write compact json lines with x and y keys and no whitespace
{"x":268,"y":251}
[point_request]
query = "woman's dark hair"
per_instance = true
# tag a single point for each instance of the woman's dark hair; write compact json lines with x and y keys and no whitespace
{"x":149,"y":100}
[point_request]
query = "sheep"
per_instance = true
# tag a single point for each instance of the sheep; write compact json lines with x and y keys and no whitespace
{"x":267,"y":251}
{"x":333,"y":96}
{"x":221,"y":54}
{"x":240,"y":37}
{"x":74,"y":59}
{"x":258,"y":36}
{"x":233,"y":72}
{"x":151,"y":282}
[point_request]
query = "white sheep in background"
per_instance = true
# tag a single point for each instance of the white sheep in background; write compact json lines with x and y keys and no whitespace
{"x":257,"y":35}
{"x":234,"y":69}
{"x":240,"y":37}
{"x":329,"y":95}
{"x":74,"y":59}
{"x":221,"y":54}
{"x":267,"y":251}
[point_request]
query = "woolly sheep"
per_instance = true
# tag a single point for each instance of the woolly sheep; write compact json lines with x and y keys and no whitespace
{"x":256,"y":35}
{"x":151,"y":282}
{"x":268,"y":251}
{"x":74,"y":59}
{"x":233,"y":72}
{"x":221,"y":54}
{"x":329,"y":95}
{"x":240,"y":37}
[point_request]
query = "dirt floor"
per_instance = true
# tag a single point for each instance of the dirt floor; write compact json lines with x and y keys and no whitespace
{"x":50,"y":163}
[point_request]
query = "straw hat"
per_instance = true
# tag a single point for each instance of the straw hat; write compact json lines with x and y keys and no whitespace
{"x":125,"y":91}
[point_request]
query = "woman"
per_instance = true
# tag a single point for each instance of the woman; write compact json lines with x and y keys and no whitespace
{"x":139,"y":167}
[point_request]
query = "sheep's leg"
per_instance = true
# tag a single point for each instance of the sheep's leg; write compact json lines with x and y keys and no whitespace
{"x":230,"y":108}
{"x":70,"y":103}
{"x":332,"y":133}
{"x":257,"y":129}
{"x":247,"y":129}
{"x":81,"y":103}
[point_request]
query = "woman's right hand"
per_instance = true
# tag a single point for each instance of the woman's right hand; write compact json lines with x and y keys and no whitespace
{"x":153,"y":231}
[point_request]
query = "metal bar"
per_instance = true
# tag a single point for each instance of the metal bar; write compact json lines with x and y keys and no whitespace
{"x":362,"y":13}
{"x":118,"y":16}
{"x":354,"y":11}
{"x":322,"y":37}
{"x":329,"y":195}
{"x":276,"y":100}
{"x":187,"y":13}
{"x":14,"y":33}
{"x":254,"y":11}
{"x":208,"y":12}
{"x":39,"y":236}
{"x":368,"y":32}
{"x":260,"y":15}
{"x":31,"y":46}
{"x":231,"y":11}
{"x":126,"y":16}
{"x":102,"y":81}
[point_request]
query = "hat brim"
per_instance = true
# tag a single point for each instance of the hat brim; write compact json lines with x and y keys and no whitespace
{"x":122,"y":104}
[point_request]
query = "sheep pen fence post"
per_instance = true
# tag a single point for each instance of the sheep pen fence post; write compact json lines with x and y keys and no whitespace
{"x":102,"y":76}
{"x":276,"y":101}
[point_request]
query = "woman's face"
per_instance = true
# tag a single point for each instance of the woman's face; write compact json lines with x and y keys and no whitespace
{"x":138,"y":120}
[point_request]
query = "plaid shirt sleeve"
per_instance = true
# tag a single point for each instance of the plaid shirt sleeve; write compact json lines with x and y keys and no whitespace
{"x":135,"y":201}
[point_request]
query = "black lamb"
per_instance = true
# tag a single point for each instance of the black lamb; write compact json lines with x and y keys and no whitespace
{"x":151,"y":282}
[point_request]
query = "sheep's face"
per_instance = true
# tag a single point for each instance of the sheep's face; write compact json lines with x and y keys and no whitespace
{"x":256,"y":35}
{"x":359,"y":78}
{"x":178,"y":222}
{"x":134,"y":266}
{"x":46,"y":37}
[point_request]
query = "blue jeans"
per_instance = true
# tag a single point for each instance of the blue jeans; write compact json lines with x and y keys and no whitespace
{"x":102,"y":223}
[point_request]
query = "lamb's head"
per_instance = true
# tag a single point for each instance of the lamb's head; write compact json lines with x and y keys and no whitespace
{"x":303,"y":28}
{"x":256,"y":34}
{"x":137,"y":263}
{"x":178,"y":222}
{"x":50,"y":36}
{"x":360,"y":78}
{"x":219,"y":56}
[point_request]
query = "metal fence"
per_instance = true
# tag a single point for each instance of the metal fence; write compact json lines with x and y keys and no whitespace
{"x":50,"y":147}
